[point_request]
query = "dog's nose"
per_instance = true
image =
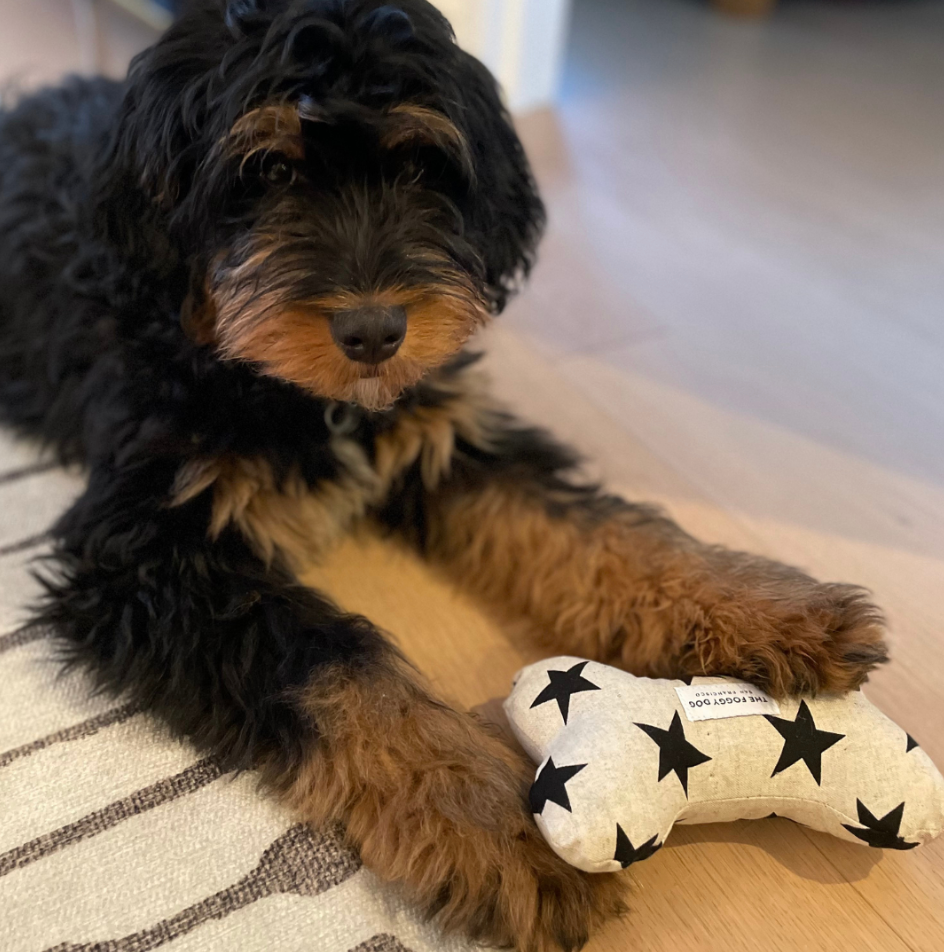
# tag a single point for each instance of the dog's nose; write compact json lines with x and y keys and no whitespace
{"x":370,"y":334}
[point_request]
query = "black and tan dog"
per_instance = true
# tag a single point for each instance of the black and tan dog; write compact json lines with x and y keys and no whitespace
{"x":236,"y":288}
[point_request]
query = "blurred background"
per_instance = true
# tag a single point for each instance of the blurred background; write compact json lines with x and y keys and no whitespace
{"x":737,"y":314}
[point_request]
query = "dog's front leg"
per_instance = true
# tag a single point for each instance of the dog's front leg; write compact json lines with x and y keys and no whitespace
{"x":613,"y":581}
{"x":438,"y":803}
{"x":186,"y":618}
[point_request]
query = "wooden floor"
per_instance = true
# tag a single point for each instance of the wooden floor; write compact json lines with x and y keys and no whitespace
{"x":738,"y":315}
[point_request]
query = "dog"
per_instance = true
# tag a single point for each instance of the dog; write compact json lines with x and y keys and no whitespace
{"x":237,"y":289}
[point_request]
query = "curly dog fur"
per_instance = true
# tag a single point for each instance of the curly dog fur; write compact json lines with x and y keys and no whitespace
{"x":236,"y":289}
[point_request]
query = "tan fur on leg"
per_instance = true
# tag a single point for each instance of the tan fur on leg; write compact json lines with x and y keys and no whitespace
{"x":633,"y":589}
{"x":435,"y":802}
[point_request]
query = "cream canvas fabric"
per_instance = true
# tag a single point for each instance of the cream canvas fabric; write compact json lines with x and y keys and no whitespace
{"x":621,"y":762}
{"x":114,"y":836}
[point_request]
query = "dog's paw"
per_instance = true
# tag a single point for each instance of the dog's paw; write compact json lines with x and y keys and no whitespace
{"x":518,"y":893}
{"x":829,"y":641}
{"x":793,"y":639}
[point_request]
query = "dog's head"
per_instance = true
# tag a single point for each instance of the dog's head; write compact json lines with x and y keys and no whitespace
{"x":342,"y":181}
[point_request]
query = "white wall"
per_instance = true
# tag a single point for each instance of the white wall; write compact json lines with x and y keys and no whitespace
{"x":521,"y":41}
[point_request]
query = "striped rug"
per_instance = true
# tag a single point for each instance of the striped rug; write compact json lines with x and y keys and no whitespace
{"x":114,"y":837}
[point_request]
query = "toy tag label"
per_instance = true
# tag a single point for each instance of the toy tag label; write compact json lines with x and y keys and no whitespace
{"x":708,"y":702}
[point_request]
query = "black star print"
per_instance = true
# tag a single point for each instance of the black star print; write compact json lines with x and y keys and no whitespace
{"x":563,"y":685}
{"x":802,"y":741}
{"x":626,"y":853}
{"x":675,"y":752}
{"x":551,"y":784}
{"x":912,"y":743}
{"x":881,"y":833}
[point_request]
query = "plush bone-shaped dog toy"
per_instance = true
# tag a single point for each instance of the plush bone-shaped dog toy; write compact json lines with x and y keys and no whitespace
{"x":622,"y":759}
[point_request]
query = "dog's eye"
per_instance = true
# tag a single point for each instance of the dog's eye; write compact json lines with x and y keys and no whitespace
{"x":277,"y":170}
{"x":433,"y":166}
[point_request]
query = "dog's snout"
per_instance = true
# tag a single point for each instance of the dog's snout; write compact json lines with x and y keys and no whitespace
{"x":370,"y":334}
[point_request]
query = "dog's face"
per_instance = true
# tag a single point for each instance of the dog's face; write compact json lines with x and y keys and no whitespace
{"x":341,"y":180}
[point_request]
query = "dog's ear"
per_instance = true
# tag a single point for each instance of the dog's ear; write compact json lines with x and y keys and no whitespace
{"x":158,"y":138}
{"x":506,"y":213}
{"x":133,"y":190}
{"x":125,"y":214}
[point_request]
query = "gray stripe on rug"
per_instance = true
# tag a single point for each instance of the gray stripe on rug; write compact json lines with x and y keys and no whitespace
{"x":32,"y":470}
{"x":188,"y":781}
{"x":78,"y":731}
{"x":382,"y":943}
{"x":24,"y":545}
{"x":299,"y":862}
{"x":24,"y":635}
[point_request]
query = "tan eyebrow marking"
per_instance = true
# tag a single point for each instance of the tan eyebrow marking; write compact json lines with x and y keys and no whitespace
{"x":273,"y":128}
{"x":410,"y":121}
